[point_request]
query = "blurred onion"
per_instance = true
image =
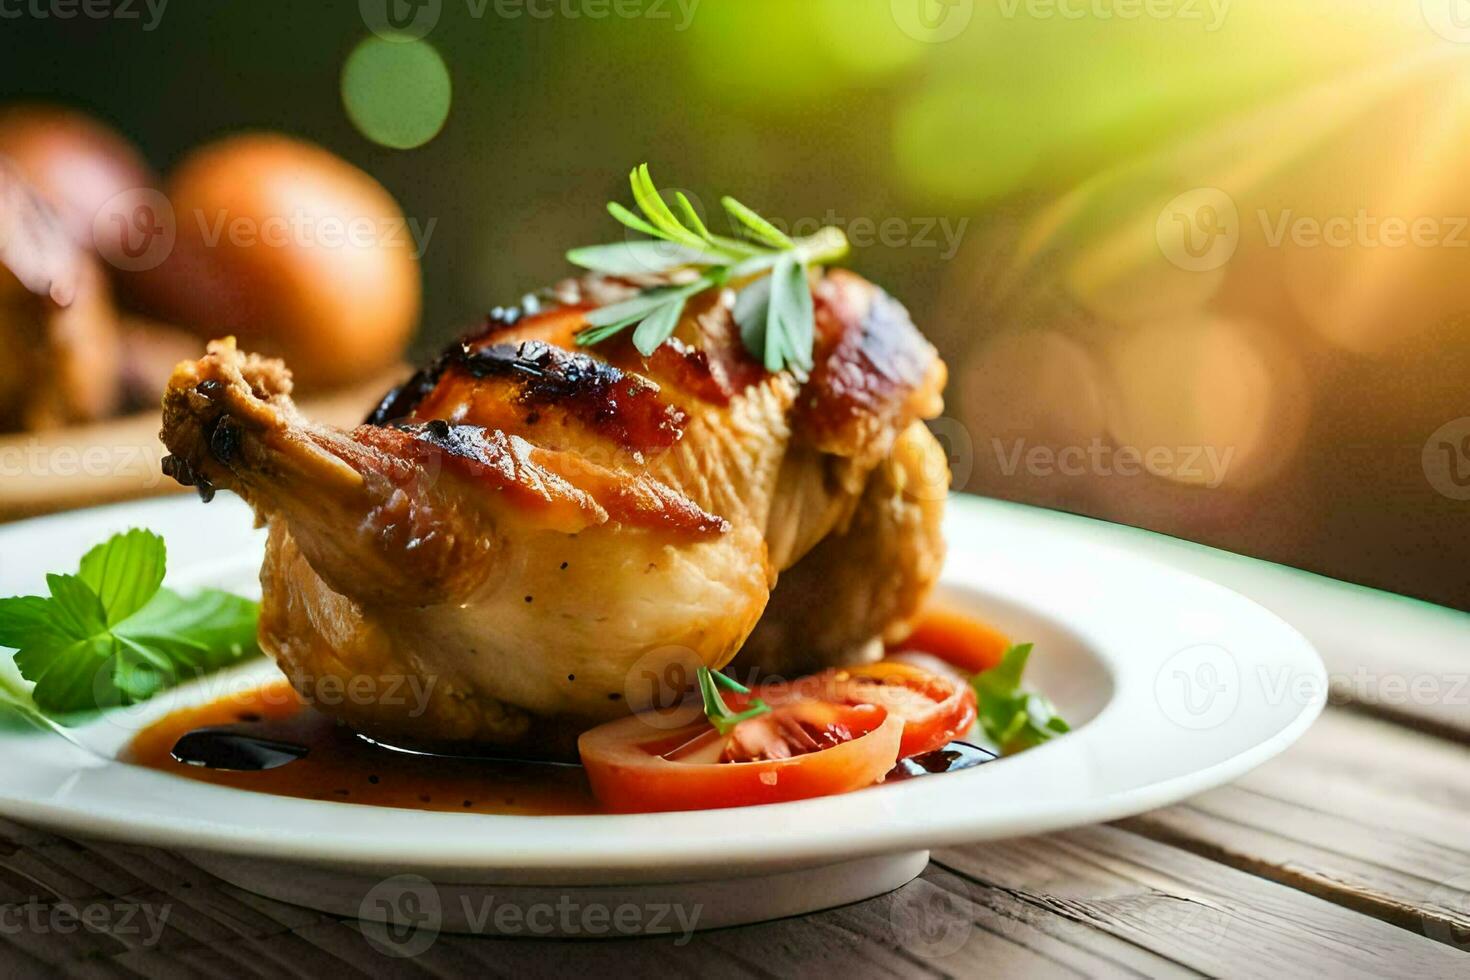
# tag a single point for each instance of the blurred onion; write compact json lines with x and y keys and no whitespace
{"x":294,"y":251}
{"x":78,"y":164}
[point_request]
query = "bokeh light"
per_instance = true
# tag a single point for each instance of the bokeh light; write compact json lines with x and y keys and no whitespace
{"x":1204,"y":394}
{"x":1057,"y":141}
{"x":945,"y":145}
{"x":397,"y":93}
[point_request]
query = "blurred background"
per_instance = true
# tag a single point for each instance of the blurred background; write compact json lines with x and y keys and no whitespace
{"x":1201,"y":266}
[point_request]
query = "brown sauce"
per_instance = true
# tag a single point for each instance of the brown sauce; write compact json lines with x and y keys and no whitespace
{"x":270,"y":741}
{"x":343,"y":768}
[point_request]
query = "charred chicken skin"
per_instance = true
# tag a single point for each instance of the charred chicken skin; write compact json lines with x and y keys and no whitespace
{"x":528,"y":527}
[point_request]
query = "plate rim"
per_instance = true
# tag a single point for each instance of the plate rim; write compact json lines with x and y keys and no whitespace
{"x":455,"y":842}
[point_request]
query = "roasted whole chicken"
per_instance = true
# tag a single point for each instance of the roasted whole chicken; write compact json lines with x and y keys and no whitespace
{"x":529,"y":527}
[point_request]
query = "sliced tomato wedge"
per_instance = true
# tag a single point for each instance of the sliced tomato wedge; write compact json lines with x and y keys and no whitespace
{"x":957,"y":639}
{"x":935,"y":708}
{"x":800,"y":749}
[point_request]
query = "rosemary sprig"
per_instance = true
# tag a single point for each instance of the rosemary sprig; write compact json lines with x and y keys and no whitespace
{"x":715,"y":708}
{"x":774,"y":305}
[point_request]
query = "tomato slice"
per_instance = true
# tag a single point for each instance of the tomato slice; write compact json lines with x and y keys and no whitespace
{"x":935,"y":708}
{"x":801,"y":749}
{"x":957,"y":639}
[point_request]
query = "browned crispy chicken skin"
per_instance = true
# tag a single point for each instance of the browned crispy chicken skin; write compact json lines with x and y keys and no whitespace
{"x":529,"y":528}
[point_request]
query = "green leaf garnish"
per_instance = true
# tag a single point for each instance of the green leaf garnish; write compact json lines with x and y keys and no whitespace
{"x":715,"y":709}
{"x":638,"y":258}
{"x":125,"y":572}
{"x":777,"y":323}
{"x":1011,"y":717}
{"x":757,"y":227}
{"x":111,"y":634}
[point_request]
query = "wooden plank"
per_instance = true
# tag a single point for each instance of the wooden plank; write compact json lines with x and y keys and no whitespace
{"x":940,"y":925}
{"x":1361,"y":812}
{"x":1095,"y":902}
{"x":1200,"y":914}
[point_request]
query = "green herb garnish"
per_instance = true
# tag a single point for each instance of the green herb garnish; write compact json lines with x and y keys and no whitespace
{"x":715,"y":708}
{"x":1013,"y":718}
{"x":774,"y":312}
{"x":111,"y":634}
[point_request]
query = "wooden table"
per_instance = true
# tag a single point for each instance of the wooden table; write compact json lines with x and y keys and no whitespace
{"x":1349,"y":855}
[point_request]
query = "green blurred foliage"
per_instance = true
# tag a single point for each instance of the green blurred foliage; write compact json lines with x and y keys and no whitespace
{"x":1048,"y":139}
{"x":798,"y":106}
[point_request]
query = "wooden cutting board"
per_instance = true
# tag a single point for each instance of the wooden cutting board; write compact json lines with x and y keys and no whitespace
{"x":82,"y":466}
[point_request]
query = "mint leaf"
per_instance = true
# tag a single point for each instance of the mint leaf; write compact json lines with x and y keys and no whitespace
{"x":111,"y":635}
{"x":125,"y":571}
{"x":75,"y":608}
{"x":71,"y":678}
{"x":1013,"y":718}
{"x":26,"y":621}
{"x":202,"y":633}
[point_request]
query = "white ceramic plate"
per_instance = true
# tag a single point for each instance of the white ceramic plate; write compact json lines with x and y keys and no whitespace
{"x":1173,"y":685}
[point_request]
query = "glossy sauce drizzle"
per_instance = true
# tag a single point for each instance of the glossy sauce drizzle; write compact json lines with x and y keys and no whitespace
{"x":270,"y":741}
{"x":339,"y":766}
